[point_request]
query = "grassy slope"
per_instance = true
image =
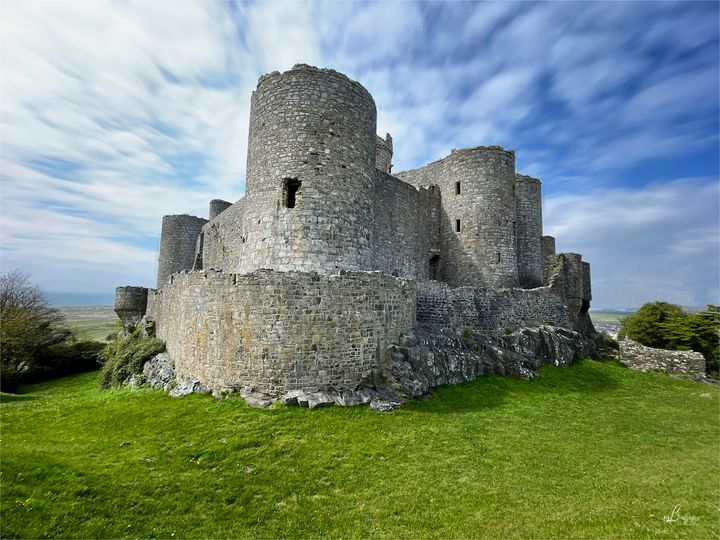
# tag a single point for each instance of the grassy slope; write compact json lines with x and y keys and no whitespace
{"x":594,"y":450}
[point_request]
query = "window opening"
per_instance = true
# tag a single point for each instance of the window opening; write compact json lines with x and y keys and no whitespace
{"x":290,"y":189}
{"x":498,"y":256}
{"x":434,"y":267}
{"x":457,"y":188}
{"x":457,"y":225}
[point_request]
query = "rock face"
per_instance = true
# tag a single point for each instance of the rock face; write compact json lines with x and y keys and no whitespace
{"x":160,"y":371}
{"x":637,"y":356}
{"x":433,"y":356}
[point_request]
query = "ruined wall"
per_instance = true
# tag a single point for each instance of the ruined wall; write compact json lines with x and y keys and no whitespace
{"x":642,"y":358}
{"x":130,"y":304}
{"x":310,"y":194}
{"x":491,"y":310}
{"x":476,"y":186}
{"x":547,"y":248}
{"x":280,"y":331}
{"x":406,"y":227}
{"x":528,"y":231}
{"x":178,"y":241}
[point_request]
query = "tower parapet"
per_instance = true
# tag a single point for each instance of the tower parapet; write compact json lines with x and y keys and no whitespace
{"x":384,"y":153}
{"x":217,"y":207}
{"x":130,"y":304}
{"x":178,"y":240}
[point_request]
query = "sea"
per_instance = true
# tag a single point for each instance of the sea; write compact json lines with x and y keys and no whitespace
{"x":73,"y":299}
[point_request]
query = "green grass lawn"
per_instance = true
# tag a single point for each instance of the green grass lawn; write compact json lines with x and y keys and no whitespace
{"x":594,"y":450}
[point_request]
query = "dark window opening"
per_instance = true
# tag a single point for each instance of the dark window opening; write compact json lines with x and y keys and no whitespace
{"x":457,"y":225}
{"x":457,"y":188}
{"x":434,"y":267}
{"x":585,"y":307}
{"x":498,"y":256}
{"x":290,"y":189}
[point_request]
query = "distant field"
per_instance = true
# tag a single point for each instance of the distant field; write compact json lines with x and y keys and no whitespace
{"x":590,"y":451}
{"x":607,"y":317}
{"x":90,"y":322}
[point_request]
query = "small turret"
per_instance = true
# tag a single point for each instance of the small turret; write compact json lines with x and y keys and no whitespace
{"x":130,"y":305}
{"x":384,"y":153}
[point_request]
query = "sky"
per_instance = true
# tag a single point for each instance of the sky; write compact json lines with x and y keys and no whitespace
{"x":113,"y":114}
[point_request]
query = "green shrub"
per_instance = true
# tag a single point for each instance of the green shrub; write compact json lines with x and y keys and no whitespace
{"x":124,"y":356}
{"x":667,"y":326}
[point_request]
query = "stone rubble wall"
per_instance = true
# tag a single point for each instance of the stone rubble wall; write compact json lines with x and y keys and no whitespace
{"x":384,"y":153}
{"x":547,"y":248}
{"x":637,"y":356}
{"x":490,"y":310}
{"x":276,"y":331}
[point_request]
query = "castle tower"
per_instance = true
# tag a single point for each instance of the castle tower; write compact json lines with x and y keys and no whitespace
{"x":478,"y":214}
{"x":130,"y":305}
{"x":178,"y":240}
{"x":217,"y":207}
{"x":384,"y":153}
{"x":310,"y":174}
{"x":528,"y":231}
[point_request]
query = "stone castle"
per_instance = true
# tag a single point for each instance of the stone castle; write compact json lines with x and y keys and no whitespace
{"x":333,"y":275}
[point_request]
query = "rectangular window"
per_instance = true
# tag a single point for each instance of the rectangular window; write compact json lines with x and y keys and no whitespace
{"x":290,"y":189}
{"x":457,"y":225}
{"x":457,"y":188}
{"x":498,"y":256}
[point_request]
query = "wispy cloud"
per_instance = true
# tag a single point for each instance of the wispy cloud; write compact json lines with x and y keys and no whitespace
{"x":114,"y":114}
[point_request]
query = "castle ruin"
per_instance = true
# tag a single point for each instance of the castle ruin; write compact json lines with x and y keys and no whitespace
{"x":334,"y":274}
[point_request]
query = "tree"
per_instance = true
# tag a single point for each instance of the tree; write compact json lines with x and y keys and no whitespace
{"x":649,"y":325}
{"x":667,"y":326}
{"x":28,"y":326}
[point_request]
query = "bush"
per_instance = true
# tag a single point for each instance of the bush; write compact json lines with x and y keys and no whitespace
{"x":124,"y":357}
{"x":667,"y":326}
{"x":29,"y":329}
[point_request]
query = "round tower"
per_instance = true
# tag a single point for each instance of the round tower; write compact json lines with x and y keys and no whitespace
{"x":310,"y":173}
{"x":130,"y":304}
{"x":217,"y":206}
{"x":177,"y":245}
{"x":528,"y":231}
{"x":478,"y":217}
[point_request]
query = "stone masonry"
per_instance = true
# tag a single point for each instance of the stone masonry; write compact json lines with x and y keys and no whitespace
{"x":330,"y":261}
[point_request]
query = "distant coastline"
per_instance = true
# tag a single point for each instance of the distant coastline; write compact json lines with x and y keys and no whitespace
{"x":74,"y":299}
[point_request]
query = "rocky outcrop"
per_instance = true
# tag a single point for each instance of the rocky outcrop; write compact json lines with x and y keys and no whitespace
{"x":160,"y":371}
{"x":637,"y":356}
{"x":433,"y":356}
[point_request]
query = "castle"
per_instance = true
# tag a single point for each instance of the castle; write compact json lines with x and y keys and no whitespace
{"x":332,"y":270}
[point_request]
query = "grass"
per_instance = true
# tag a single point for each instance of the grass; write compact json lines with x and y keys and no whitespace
{"x":594,"y":450}
{"x":92,"y":323}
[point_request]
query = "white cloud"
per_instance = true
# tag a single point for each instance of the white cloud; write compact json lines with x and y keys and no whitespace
{"x":661,"y":242}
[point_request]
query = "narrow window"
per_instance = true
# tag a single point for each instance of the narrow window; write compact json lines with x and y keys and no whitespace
{"x":498,"y":256}
{"x":457,"y":225}
{"x":457,"y":188}
{"x":434,"y":267}
{"x":290,"y":189}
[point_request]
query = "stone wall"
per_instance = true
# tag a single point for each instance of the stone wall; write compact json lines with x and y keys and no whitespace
{"x":547,"y":248}
{"x":642,"y":358}
{"x":278,"y":331}
{"x":528,"y":230}
{"x":178,"y":242}
{"x":406,"y":228}
{"x":490,"y":310}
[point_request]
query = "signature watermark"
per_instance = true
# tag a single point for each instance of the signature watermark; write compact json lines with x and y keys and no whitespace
{"x":675,"y":516}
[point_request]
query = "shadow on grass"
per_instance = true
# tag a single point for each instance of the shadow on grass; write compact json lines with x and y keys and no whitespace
{"x":8,"y":398}
{"x":490,"y":391}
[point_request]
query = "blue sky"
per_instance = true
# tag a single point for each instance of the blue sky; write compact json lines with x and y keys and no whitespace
{"x":114,"y":114}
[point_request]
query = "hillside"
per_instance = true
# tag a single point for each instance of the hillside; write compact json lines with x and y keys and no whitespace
{"x":594,"y":450}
